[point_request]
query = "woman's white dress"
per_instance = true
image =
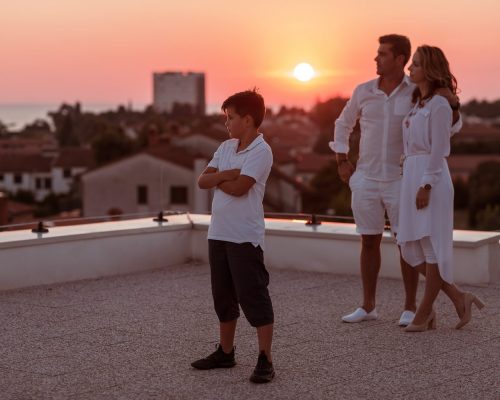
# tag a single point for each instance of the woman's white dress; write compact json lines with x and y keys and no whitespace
{"x":426,"y":138}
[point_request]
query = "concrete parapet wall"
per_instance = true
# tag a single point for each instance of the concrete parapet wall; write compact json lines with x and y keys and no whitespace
{"x":112,"y":248}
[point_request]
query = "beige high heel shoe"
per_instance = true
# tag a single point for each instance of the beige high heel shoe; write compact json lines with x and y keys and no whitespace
{"x":469,"y":299}
{"x":430,"y":323}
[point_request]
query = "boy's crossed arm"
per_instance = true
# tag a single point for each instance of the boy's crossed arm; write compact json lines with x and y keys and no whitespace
{"x":212,"y":177}
{"x":229,"y":181}
{"x":238,"y":187}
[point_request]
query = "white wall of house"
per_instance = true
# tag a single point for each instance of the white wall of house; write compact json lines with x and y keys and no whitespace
{"x":28,"y":181}
{"x":116,"y":186}
{"x":62,"y":184}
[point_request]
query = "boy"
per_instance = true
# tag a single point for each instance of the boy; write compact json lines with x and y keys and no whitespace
{"x":238,"y":171}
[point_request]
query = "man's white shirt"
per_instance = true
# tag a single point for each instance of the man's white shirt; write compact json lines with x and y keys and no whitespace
{"x":380,"y":117}
{"x":241,"y":219}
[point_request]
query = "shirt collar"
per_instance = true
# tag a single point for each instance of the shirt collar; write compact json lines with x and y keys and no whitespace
{"x":405,"y":82}
{"x":258,"y":140}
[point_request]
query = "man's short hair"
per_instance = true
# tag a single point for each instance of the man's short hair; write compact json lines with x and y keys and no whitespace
{"x":401,"y":45}
{"x":249,"y":102}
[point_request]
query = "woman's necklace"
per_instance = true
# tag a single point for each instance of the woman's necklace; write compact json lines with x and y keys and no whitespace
{"x":419,"y":104}
{"x":410,"y":116}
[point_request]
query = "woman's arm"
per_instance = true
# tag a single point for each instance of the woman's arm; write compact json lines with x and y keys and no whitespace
{"x":440,"y":127}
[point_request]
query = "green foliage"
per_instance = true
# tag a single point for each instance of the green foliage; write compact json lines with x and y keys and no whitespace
{"x":294,"y":111}
{"x":483,"y":109}
{"x":328,"y":193}
{"x":23,"y":196}
{"x":111,"y":145}
{"x":478,"y":147}
{"x":324,"y":116}
{"x":461,"y":200}
{"x":325,"y":113}
{"x":49,"y":206}
{"x":484,"y":191}
{"x":488,"y":219}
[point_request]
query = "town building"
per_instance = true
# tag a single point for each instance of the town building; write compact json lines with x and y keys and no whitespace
{"x":171,"y":88}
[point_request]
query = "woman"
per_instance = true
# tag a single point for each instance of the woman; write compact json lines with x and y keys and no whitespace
{"x":426,"y":206}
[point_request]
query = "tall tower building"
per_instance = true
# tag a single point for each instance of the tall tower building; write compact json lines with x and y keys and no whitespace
{"x":181,"y":88}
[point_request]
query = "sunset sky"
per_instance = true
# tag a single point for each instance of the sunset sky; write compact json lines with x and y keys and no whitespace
{"x":105,"y":51}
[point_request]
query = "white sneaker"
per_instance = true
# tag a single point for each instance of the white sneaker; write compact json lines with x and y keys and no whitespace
{"x":406,"y":318}
{"x":360,"y":315}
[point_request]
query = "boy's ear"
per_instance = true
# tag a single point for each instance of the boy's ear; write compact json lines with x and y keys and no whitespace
{"x":248,"y":119}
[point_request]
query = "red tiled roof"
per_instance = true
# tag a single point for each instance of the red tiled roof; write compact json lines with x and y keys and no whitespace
{"x":175,"y":155}
{"x":75,"y":157}
{"x":24,"y":163}
{"x":163,"y":152}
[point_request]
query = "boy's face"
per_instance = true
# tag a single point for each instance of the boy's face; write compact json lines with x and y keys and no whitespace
{"x":235,"y":124}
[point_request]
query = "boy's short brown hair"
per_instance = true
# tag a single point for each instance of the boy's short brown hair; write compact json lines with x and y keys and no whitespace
{"x":249,"y":102}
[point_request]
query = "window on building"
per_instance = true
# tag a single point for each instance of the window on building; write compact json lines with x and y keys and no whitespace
{"x":47,"y":183}
{"x":18,"y":178}
{"x":67,"y":172}
{"x":178,"y":194}
{"x":142,"y":194}
{"x":38,"y":183}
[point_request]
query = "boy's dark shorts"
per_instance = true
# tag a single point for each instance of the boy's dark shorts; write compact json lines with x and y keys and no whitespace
{"x":239,"y":276}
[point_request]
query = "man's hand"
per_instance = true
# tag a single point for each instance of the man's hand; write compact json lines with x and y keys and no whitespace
{"x":448,"y":95}
{"x":345,"y":170}
{"x":422,"y":199}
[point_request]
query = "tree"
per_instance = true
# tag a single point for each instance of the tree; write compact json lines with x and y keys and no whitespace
{"x":328,"y":193}
{"x":324,"y":115}
{"x":461,"y":200}
{"x":484,"y":191}
{"x":111,"y":145}
{"x":488,"y":219}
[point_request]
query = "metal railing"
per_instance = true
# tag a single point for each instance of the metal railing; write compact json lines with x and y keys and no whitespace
{"x":41,"y":225}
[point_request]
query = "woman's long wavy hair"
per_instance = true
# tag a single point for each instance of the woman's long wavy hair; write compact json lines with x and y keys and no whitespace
{"x":436,"y":70}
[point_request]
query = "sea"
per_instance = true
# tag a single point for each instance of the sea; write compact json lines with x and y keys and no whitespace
{"x":16,"y":115}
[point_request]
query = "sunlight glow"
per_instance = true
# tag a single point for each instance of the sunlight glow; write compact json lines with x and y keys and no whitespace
{"x":304,"y":72}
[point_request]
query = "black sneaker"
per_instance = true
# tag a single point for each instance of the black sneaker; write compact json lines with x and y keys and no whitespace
{"x":218,"y":359}
{"x":264,"y":371}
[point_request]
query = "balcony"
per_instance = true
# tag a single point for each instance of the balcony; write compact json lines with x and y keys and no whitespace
{"x":119,"y":309}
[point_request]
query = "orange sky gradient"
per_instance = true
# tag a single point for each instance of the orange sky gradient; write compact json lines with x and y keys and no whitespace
{"x":105,"y":51}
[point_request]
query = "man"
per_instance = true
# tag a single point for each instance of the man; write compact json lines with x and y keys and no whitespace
{"x":380,"y":105}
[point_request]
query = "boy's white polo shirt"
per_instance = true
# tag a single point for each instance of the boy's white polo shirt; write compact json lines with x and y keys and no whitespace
{"x":241,"y":219}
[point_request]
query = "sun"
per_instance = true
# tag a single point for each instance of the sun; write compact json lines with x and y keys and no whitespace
{"x":304,"y":72}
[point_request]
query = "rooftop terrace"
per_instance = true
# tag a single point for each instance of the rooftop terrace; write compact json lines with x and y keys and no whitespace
{"x":133,"y":336}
